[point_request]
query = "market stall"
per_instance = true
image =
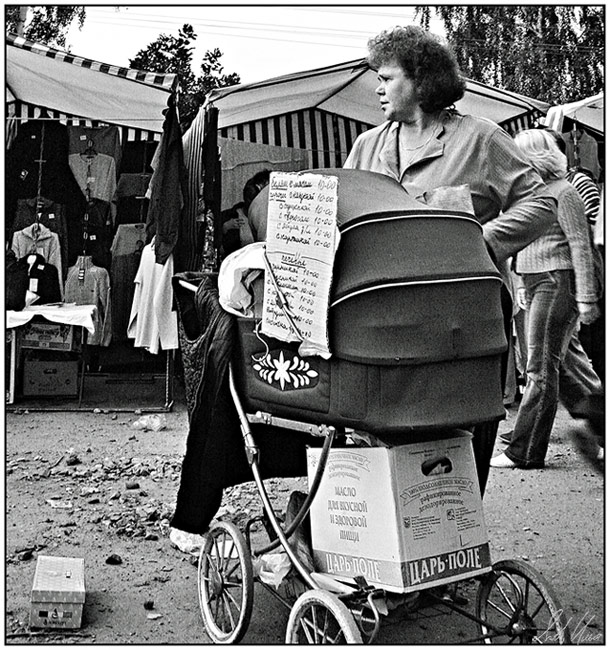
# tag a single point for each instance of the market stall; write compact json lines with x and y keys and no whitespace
{"x":582,"y":125}
{"x":317,"y":114}
{"x":89,"y":159}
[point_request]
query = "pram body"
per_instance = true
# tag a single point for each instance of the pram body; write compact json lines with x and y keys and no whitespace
{"x":415,"y":323}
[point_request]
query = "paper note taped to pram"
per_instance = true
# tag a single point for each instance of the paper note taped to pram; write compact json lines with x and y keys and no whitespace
{"x":302,"y":237}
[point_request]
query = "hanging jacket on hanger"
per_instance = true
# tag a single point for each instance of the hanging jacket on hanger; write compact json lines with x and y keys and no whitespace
{"x":88,"y":284}
{"x":127,"y":246}
{"x":38,"y":239}
{"x":16,"y":281}
{"x":48,"y":213}
{"x":24,"y":170}
{"x":582,"y":151}
{"x":43,"y":279}
{"x":95,"y":221}
{"x":166,"y":190}
{"x":94,"y":158}
{"x":132,"y":204}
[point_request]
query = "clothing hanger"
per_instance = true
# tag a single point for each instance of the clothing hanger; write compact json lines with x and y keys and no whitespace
{"x":89,"y":153}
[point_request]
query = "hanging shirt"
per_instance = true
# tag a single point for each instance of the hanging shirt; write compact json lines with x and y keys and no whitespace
{"x":38,"y":239}
{"x":152,"y":322}
{"x":88,"y":284}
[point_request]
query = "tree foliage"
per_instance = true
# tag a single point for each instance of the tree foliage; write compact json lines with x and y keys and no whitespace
{"x":46,"y":24}
{"x":174,"y":54}
{"x":548,"y":52}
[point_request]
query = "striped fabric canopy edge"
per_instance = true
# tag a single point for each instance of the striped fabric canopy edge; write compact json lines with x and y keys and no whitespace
{"x":18,"y":112}
{"x":167,"y":81}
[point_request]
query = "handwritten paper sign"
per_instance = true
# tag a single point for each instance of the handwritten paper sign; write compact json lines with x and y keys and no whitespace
{"x":302,"y":237}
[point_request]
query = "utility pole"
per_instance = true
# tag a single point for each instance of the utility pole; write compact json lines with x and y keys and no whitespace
{"x":23,"y":17}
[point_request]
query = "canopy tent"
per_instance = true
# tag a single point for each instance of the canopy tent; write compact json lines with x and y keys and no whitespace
{"x":81,"y":91}
{"x":588,"y":112}
{"x":323,"y":110}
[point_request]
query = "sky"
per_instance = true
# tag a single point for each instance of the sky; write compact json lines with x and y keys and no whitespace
{"x":257,"y":41}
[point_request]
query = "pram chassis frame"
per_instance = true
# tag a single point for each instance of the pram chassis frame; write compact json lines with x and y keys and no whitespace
{"x":517,"y":619}
{"x":362,"y":592}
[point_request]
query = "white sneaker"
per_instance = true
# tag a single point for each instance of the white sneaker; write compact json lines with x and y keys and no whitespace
{"x":186,"y":542}
{"x":502,"y":461}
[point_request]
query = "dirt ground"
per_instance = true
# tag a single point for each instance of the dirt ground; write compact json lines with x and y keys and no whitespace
{"x":89,"y":485}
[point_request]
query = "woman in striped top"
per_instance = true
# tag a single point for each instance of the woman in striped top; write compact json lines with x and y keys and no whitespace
{"x":559,"y":288}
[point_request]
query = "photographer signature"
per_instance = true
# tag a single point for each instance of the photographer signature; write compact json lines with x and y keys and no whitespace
{"x":580,"y":633}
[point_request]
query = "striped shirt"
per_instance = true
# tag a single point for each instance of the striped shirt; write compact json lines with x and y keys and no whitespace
{"x":588,"y":190}
{"x":565,"y":245}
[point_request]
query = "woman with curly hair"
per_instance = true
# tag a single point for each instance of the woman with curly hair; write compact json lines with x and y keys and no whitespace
{"x":559,"y":288}
{"x":427,"y":146}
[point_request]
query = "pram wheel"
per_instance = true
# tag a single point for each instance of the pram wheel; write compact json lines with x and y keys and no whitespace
{"x":319,"y":617}
{"x":516,"y":604}
{"x":225,"y":583}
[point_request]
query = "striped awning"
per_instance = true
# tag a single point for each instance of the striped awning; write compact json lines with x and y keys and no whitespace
{"x":326,"y":137}
{"x":42,"y":82}
{"x":323,"y":110}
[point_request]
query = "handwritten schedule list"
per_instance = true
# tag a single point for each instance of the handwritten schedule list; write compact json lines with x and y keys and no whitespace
{"x":302,"y":238}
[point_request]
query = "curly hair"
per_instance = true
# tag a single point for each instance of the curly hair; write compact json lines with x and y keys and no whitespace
{"x":542,"y":152}
{"x":425,"y":59}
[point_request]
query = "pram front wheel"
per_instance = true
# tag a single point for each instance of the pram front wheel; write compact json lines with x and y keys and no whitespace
{"x":319,"y":617}
{"x":516,"y":604}
{"x":225,"y":583}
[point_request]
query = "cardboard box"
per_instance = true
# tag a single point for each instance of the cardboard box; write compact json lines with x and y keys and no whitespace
{"x":404,"y":517}
{"x":47,"y":336}
{"x":58,"y":593}
{"x":44,"y":378}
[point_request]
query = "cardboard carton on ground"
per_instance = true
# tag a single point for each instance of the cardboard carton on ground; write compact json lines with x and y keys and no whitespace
{"x":406,"y":517}
{"x":58,"y":593}
{"x":50,"y":378}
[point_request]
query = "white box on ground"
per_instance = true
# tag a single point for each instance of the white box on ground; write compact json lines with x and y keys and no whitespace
{"x":58,"y":592}
{"x":405,"y":517}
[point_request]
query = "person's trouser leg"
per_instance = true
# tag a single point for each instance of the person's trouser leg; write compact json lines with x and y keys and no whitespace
{"x":551,"y":318}
{"x":577,"y":378}
{"x":484,"y":435}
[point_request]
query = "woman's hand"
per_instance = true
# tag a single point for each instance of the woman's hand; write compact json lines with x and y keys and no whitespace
{"x":588,"y":311}
{"x":231,"y":224}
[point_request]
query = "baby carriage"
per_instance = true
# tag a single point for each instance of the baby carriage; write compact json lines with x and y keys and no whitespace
{"x":417,"y":335}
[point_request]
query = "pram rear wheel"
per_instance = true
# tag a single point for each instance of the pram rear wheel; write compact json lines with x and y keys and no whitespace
{"x":517,"y":605}
{"x":225,"y":583}
{"x":319,"y":617}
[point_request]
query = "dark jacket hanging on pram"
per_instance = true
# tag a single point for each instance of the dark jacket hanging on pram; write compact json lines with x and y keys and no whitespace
{"x":215,"y":457}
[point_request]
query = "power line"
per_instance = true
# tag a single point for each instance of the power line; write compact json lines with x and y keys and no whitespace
{"x":240,"y":27}
{"x":290,"y":37}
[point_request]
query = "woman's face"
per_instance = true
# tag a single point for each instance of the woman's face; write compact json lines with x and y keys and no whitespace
{"x":396,"y":93}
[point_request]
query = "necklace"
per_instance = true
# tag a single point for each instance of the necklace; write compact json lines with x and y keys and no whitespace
{"x":413,"y":152}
